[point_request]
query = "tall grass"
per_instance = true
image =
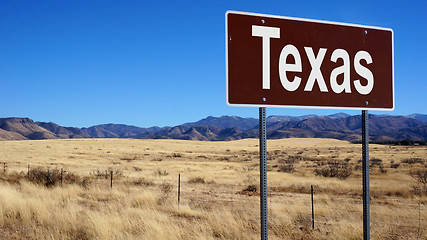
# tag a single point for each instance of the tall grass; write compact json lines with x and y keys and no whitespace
{"x":143,"y":201}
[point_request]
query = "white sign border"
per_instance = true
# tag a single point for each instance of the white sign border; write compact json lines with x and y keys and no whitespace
{"x":304,"y":20}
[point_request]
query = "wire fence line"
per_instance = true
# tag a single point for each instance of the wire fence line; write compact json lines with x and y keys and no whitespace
{"x":377,"y":218}
{"x":321,"y":216}
{"x":373,"y":223}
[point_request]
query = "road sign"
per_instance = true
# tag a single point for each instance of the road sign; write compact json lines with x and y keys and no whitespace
{"x":275,"y":61}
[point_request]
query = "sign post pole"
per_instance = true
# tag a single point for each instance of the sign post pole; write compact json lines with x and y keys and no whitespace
{"x":263,"y":172}
{"x":365,"y":174}
{"x":258,"y":74}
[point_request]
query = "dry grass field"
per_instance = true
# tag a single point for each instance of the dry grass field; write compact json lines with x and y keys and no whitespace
{"x":219,"y":189}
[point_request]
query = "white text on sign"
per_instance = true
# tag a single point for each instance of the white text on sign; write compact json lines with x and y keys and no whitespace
{"x":267,"y":33}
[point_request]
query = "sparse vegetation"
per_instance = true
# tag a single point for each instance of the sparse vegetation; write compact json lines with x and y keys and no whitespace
{"x":375,"y":161}
{"x":142,"y":204}
{"x":160,"y":173}
{"x":394,"y":165}
{"x":334,"y":168}
{"x":107,"y":173}
{"x":137,"y":169}
{"x":287,"y":168}
{"x":419,"y":175}
{"x":100,"y":173}
{"x":413,"y":160}
{"x":196,"y":180}
{"x":142,"y":182}
{"x":165,"y":189}
{"x":130,"y":158}
{"x":419,"y":190}
{"x":251,"y":188}
{"x":382,"y":169}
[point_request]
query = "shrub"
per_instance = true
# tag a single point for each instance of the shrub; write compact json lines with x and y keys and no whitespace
{"x":303,"y":221}
{"x":419,"y":190}
{"x":70,"y":178}
{"x":382,"y":170}
{"x":129,"y":158}
{"x":142,"y":181}
{"x":419,"y":175}
{"x":116,"y":172}
{"x":335,"y":168}
{"x":287,"y":168}
{"x":375,"y":161}
{"x":106,"y":173}
{"x":251,"y":188}
{"x":294,"y":159}
{"x":165,"y":189}
{"x":12,"y":177}
{"x":160,"y":173}
{"x":49,"y":177}
{"x":394,"y":165}
{"x":42,"y":177}
{"x":137,"y":169}
{"x":196,"y":180}
{"x":100,"y":173}
{"x":413,"y":161}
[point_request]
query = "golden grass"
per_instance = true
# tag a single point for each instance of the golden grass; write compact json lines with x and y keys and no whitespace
{"x":143,"y":201}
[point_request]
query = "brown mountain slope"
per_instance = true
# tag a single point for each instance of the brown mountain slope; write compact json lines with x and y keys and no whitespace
{"x":381,"y":128}
{"x":63,"y":132}
{"x":25,"y":127}
{"x":6,"y":135}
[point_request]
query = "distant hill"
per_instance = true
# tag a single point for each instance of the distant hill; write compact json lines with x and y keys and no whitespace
{"x":338,"y":126}
{"x":23,"y":128}
{"x":275,"y":118}
{"x":117,"y":131}
{"x":227,"y":122}
{"x":421,"y":117}
{"x":7,"y":135}
{"x":63,"y":132}
{"x":121,"y":130}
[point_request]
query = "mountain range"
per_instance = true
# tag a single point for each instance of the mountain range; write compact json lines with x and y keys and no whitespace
{"x":382,"y":128}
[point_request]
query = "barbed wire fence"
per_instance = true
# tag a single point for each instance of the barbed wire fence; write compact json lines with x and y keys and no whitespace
{"x":328,"y":215}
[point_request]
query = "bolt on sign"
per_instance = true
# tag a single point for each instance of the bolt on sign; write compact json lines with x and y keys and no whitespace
{"x":274,"y":61}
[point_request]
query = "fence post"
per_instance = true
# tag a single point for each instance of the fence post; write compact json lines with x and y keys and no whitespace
{"x":111,"y":183}
{"x":28,"y":173}
{"x":419,"y":219}
{"x":61,"y":176}
{"x":312,"y":207}
{"x":4,"y":167}
{"x":179,"y":188}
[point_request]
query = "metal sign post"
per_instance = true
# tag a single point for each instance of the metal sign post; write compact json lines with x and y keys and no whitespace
{"x":365,"y":174}
{"x":258,"y":74}
{"x":263,"y":172}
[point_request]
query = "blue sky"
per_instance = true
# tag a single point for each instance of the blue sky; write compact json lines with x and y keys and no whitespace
{"x":162,"y":63}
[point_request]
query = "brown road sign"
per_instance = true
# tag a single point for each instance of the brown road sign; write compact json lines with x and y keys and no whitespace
{"x":290,"y":62}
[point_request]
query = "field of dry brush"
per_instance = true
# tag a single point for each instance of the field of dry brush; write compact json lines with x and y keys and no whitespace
{"x":219,"y":189}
